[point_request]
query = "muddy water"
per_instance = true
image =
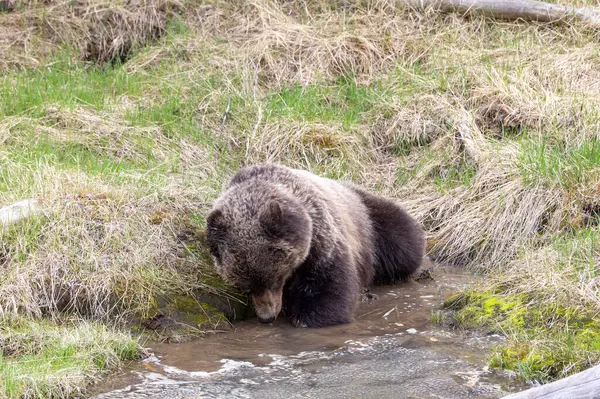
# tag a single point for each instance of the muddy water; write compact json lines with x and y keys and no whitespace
{"x":390,"y":351}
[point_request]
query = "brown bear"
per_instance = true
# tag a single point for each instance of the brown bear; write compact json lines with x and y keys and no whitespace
{"x":306,"y":245}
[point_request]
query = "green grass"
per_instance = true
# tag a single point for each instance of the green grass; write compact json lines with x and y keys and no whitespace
{"x":44,"y":359}
{"x":579,"y":250}
{"x":71,"y":156}
{"x":452,"y":176}
{"x":20,"y":240}
{"x":445,"y":171}
{"x":345,"y":102}
{"x":563,"y":165}
{"x":66,"y":83}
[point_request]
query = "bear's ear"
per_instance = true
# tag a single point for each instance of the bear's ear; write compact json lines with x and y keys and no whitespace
{"x":271,"y":218}
{"x":214,"y":220}
{"x":215,"y":230}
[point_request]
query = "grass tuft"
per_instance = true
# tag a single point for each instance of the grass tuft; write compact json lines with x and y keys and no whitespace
{"x":45,"y":359}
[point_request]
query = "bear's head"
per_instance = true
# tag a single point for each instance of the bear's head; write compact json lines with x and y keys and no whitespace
{"x":258,"y":237}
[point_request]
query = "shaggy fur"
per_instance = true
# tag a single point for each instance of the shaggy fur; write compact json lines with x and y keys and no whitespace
{"x":307,"y":245}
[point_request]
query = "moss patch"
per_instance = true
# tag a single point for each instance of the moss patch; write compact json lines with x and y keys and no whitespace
{"x":179,"y":318}
{"x":483,"y":309}
{"x":545,"y":341}
{"x":200,"y":313}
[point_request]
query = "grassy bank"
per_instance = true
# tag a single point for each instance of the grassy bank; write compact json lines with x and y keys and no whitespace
{"x":126,"y":122}
{"x":545,"y":302}
{"x":42,"y":358}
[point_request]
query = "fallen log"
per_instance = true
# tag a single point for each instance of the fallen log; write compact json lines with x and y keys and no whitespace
{"x":528,"y":10}
{"x":583,"y":385}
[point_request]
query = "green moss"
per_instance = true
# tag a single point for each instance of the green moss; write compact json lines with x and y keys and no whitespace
{"x":545,"y":341}
{"x":545,"y":354}
{"x":485,"y":309}
{"x":201,"y":314}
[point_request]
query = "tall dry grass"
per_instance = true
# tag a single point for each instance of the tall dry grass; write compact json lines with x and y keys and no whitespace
{"x":99,"y":31}
{"x":102,"y":248}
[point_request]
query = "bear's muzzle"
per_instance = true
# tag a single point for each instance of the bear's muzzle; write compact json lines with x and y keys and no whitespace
{"x":267,"y":305}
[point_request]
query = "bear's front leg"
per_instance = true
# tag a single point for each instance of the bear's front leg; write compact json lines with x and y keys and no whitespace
{"x":324,"y":293}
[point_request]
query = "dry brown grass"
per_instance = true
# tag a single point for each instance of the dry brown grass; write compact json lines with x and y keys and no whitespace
{"x":102,"y":248}
{"x":484,"y":224}
{"x":279,"y":45}
{"x":98,"y":31}
{"x":307,"y":146}
{"x":106,"y":134}
{"x":563,"y":274}
{"x":100,"y":254}
{"x":410,"y":125}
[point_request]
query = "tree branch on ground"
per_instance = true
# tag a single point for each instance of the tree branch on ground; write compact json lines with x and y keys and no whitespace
{"x":528,"y":10}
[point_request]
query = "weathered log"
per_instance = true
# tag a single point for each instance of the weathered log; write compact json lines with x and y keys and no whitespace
{"x":529,"y":10}
{"x":583,"y":385}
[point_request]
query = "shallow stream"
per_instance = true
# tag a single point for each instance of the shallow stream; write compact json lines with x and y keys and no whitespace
{"x":392,"y":350}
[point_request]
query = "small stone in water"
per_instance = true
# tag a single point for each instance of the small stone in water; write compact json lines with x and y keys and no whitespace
{"x":411,"y":331}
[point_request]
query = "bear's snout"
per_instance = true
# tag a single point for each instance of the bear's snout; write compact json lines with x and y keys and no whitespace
{"x":266,"y":321}
{"x":267,"y":305}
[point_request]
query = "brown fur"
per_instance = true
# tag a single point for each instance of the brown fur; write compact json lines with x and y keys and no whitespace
{"x":308,"y":245}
